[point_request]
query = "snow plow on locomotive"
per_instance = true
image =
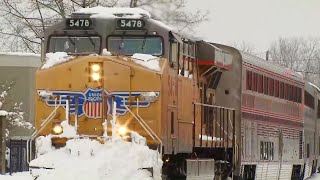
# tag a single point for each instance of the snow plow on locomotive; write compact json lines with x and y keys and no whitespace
{"x":104,"y":64}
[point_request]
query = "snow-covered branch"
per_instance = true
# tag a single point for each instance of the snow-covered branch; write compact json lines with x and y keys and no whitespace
{"x":13,"y":113}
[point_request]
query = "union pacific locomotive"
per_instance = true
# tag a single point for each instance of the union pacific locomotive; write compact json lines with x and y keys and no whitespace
{"x":209,"y":109}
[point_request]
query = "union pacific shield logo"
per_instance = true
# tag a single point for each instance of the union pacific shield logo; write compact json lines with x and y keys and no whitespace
{"x":90,"y":102}
{"x":92,"y":107}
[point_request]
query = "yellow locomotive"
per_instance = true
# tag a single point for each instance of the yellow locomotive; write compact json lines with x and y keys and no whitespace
{"x":156,"y":82}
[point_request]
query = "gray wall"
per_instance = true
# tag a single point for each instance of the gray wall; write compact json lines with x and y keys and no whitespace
{"x":20,"y":68}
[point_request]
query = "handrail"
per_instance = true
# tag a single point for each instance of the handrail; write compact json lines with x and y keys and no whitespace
{"x":36,"y":133}
{"x":144,"y":124}
{"x":149,"y":127}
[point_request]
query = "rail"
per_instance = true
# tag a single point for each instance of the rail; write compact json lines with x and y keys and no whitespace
{"x":42,"y":126}
{"x":217,"y":130}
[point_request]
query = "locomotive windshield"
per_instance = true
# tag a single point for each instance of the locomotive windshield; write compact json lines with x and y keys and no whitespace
{"x":129,"y":45}
{"x":75,"y":44}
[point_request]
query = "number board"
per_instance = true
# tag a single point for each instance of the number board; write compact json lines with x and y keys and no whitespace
{"x":130,"y":24}
{"x":79,"y":23}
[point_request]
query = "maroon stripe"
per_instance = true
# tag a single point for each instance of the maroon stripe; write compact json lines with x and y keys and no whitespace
{"x":257,"y":111}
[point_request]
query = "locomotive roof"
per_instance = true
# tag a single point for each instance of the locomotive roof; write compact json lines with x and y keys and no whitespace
{"x":254,"y":60}
{"x":105,"y":12}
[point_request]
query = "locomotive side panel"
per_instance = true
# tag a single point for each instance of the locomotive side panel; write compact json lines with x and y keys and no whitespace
{"x":228,"y":94}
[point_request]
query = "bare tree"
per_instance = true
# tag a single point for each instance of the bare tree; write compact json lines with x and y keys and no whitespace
{"x":245,"y":47}
{"x":298,"y":54}
{"x":23,"y":21}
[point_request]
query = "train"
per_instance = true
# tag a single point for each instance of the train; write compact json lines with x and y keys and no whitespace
{"x":210,"y":109}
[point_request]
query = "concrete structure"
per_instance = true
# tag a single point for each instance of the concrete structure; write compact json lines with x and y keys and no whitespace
{"x":20,"y":68}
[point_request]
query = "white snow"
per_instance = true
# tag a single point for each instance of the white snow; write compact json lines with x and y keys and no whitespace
{"x":3,"y":94}
{"x":44,"y":94}
{"x":43,"y":145}
{"x":186,"y":73}
{"x":149,"y":96}
{"x":56,"y":58}
{"x":83,"y":159}
{"x":136,"y":138}
{"x":3,"y":113}
{"x":209,"y":138}
{"x":105,"y":12}
{"x":299,"y":74}
{"x":160,"y":23}
{"x":69,"y":131}
{"x":105,"y":52}
{"x":315,"y":176}
{"x":17,"y":176}
{"x":147,"y":60}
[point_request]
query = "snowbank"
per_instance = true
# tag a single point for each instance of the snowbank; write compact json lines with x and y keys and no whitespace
{"x":17,"y":176}
{"x":209,"y":138}
{"x":56,"y":58}
{"x":105,"y":52}
{"x":68,"y":131}
{"x":147,"y":60}
{"x":105,"y":12}
{"x":3,"y":113}
{"x":83,"y":159}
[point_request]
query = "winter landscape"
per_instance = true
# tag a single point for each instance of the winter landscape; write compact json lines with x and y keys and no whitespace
{"x":157,"y":89}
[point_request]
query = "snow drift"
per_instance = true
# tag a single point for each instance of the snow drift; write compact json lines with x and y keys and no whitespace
{"x":83,"y":159}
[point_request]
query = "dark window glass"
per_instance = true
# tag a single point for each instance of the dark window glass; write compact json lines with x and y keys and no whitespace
{"x":260,"y":83}
{"x":281,"y":90}
{"x":286,"y":91}
{"x":299,"y":95}
{"x":74,"y":44}
{"x":294,"y":96}
{"x":255,"y":80}
{"x":129,"y":45}
{"x":271,"y":87}
{"x":265,"y":85}
{"x":276,"y":88}
{"x":308,"y":100}
{"x":249,"y":80}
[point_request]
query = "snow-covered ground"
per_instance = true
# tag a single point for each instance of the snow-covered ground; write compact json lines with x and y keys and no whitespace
{"x":17,"y":176}
{"x":315,"y":177}
{"x":83,"y":159}
{"x":27,"y":176}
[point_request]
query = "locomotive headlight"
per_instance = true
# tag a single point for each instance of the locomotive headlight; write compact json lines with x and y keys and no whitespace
{"x":95,"y":76}
{"x":95,"y":67}
{"x":57,"y":129}
{"x":122,"y":130}
{"x":95,"y":71}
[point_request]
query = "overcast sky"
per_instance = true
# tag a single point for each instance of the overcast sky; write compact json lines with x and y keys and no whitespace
{"x":258,"y":22}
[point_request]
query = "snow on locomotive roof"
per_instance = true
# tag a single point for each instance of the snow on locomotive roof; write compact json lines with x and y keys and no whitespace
{"x":249,"y":58}
{"x":105,"y":12}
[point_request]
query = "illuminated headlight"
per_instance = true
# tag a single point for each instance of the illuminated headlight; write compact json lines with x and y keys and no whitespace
{"x":95,"y":67}
{"x":95,"y":76}
{"x":57,"y":129}
{"x":122,"y":130}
